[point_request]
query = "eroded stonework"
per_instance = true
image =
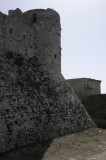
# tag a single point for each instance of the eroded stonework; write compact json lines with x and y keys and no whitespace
{"x":37,"y":104}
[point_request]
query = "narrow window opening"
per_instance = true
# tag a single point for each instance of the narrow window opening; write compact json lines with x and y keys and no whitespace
{"x":10,"y":30}
{"x":23,"y":36}
{"x":55,"y":56}
{"x":34,"y":17}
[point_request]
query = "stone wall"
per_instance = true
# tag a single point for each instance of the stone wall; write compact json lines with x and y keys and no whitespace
{"x":85,"y":86}
{"x":35,"y":106}
{"x":96,"y":107}
{"x":31,"y":33}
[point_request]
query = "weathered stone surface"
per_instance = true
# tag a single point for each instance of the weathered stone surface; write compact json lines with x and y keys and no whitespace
{"x":33,"y":33}
{"x":37,"y":104}
{"x":85,"y":87}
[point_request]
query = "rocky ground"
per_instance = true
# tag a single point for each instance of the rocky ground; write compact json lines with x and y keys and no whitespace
{"x":87,"y":145}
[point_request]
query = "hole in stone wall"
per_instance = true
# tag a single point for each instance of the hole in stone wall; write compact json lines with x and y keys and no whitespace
{"x":10,"y":30}
{"x":23,"y":36}
{"x":55,"y":56}
{"x":34,"y":17}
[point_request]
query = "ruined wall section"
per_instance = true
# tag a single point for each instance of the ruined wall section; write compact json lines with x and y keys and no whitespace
{"x":33,"y":33}
{"x":85,"y":86}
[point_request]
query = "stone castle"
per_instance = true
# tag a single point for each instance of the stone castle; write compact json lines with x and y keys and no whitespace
{"x":37,"y":104}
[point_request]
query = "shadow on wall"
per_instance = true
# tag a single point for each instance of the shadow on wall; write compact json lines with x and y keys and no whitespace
{"x":33,"y":152}
{"x":96,"y":107}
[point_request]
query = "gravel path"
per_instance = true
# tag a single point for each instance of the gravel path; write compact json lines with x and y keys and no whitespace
{"x":87,"y":145}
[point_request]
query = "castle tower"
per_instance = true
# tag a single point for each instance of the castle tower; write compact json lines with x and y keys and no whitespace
{"x":35,"y":106}
{"x":35,"y":33}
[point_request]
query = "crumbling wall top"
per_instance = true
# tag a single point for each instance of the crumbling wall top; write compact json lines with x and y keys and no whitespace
{"x":16,"y":12}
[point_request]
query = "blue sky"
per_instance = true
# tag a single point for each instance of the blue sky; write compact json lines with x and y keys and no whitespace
{"x":83,"y":38}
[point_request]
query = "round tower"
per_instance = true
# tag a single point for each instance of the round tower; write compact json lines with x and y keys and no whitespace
{"x":45,"y":41}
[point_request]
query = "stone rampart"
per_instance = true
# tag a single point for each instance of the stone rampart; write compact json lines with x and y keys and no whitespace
{"x":35,"y":106}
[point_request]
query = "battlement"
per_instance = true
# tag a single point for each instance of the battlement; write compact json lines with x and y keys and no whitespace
{"x":15,"y":13}
{"x":33,"y":33}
